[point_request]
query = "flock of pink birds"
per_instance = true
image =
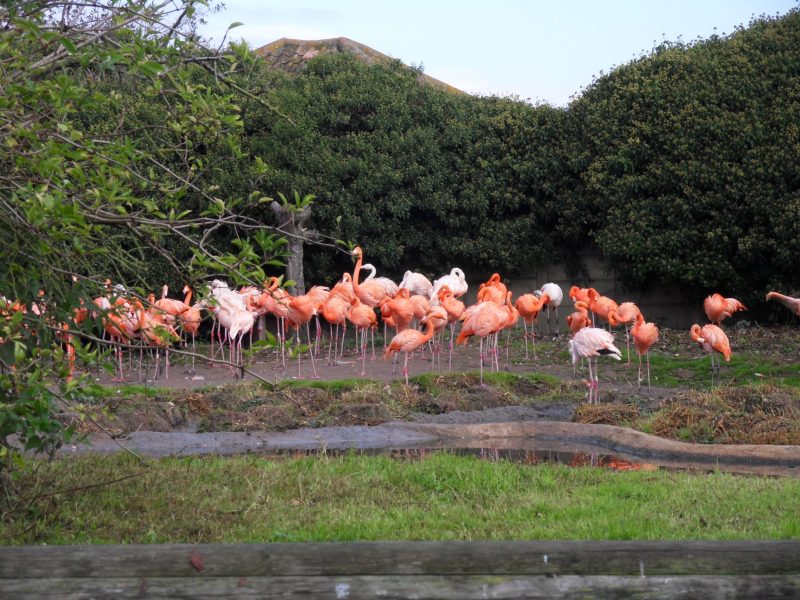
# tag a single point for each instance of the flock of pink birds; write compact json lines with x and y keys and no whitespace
{"x":435,"y":306}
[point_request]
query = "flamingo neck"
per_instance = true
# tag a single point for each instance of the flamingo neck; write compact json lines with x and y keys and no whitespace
{"x":428,"y":331}
{"x":357,"y":271}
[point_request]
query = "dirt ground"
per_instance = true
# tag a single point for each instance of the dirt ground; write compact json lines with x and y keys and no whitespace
{"x":551,"y":358}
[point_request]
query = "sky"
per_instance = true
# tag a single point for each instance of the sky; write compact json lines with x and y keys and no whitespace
{"x":544,"y":51}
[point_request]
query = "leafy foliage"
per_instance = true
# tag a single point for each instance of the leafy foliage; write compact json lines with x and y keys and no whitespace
{"x":113,"y":133}
{"x":689,"y":166}
{"x":399,"y":164}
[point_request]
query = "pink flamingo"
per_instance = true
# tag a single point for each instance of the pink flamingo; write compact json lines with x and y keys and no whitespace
{"x":591,"y":343}
{"x":407,"y":341}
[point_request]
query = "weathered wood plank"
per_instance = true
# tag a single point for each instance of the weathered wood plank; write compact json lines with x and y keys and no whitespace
{"x":404,"y":558}
{"x":389,"y":587}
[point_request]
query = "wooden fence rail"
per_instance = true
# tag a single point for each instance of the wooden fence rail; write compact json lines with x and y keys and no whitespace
{"x":457,"y":570}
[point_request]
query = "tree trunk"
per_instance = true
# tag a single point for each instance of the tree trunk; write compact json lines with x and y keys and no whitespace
{"x":292,"y":223}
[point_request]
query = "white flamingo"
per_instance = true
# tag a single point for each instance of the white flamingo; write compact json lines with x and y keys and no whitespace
{"x":556,"y":295}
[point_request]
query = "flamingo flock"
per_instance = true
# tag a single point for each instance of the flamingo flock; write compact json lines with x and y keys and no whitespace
{"x":157,"y":324}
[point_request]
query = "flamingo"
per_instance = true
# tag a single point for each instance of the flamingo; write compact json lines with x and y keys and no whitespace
{"x":370,"y":293}
{"x":120,"y":321}
{"x":485,"y":319}
{"x":714,"y":341}
{"x":239,"y":323}
{"x":455,"y":309}
{"x":422,"y":306}
{"x":224,"y":302}
{"x":793,"y":304}
{"x":390,"y":286}
{"x":334,"y":311}
{"x":582,"y":294}
{"x":275,"y":299}
{"x":438,"y":315}
{"x":493,"y":290}
{"x":601,"y":305}
{"x":455,"y":281}
{"x":169,"y":307}
{"x":417,"y":283}
{"x":591,"y":343}
{"x":529,"y":306}
{"x":718,"y":308}
{"x":157,"y":332}
{"x":580,"y":318}
{"x":400,"y":308}
{"x":318,"y":295}
{"x":344,"y":288}
{"x":511,"y":320}
{"x":363,"y":318}
{"x":301,"y":309}
{"x":556,"y":295}
{"x":644,"y":335}
{"x":407,"y":341}
{"x":190,"y":319}
{"x":624,"y":315}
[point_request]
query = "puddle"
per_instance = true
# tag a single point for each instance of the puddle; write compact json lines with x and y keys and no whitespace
{"x":526,"y":457}
{"x":532,"y":442}
{"x":549,"y":453}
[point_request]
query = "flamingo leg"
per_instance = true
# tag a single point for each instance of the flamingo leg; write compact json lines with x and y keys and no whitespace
{"x":282,"y":339}
{"x":213,"y":329}
{"x":311,"y":352}
{"x":332,"y":343}
{"x":450,"y":356}
{"x":193,"y":351}
{"x":405,"y":368}
{"x":363,"y":352}
{"x":525,"y":325}
{"x":158,"y":365}
{"x":508,"y":345}
{"x":648,"y":367}
{"x":318,"y":336}
{"x":628,"y":344}
{"x":639,"y":379}
{"x":590,"y":379}
{"x":480,"y":353}
{"x":596,"y":382}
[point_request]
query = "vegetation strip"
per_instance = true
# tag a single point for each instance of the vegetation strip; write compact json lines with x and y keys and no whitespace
{"x":437,"y":497}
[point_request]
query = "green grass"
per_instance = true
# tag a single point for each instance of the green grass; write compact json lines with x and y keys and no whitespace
{"x":695,"y":371}
{"x":433,"y":382}
{"x":441,"y":497}
{"x":337,"y":386}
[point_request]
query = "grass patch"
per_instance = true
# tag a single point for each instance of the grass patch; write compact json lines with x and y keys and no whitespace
{"x":337,"y":386}
{"x":440,"y":497}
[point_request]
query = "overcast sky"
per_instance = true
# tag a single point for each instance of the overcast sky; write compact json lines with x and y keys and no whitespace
{"x":544,"y":51}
